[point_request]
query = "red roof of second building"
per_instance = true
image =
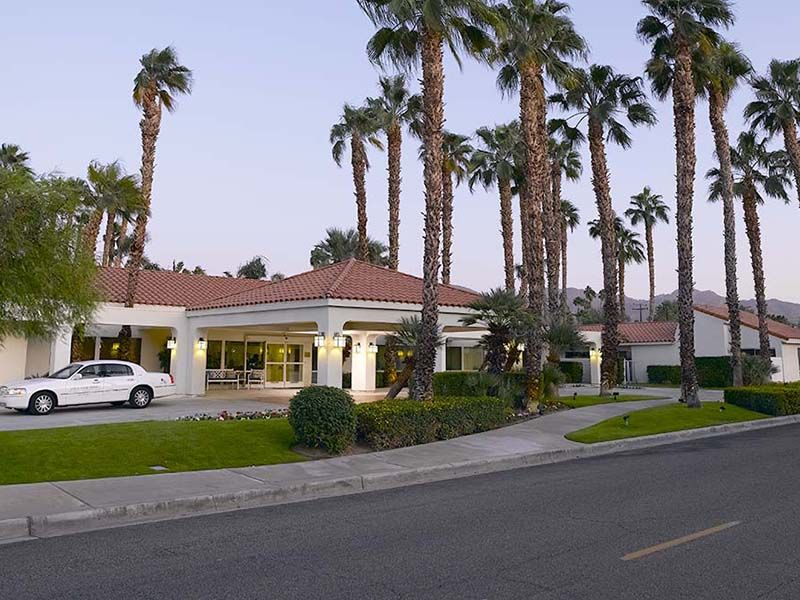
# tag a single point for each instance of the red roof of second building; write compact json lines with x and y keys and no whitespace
{"x":641,"y":333}
{"x":776,"y":328}
{"x":347,"y":280}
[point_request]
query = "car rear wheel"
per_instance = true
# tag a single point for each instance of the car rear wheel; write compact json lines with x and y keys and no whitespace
{"x":42,"y":403}
{"x":140,"y":397}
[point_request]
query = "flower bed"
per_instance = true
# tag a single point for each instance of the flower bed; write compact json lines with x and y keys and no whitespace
{"x":262,"y":415}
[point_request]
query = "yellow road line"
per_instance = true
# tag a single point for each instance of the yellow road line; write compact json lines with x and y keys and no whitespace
{"x":681,"y":540}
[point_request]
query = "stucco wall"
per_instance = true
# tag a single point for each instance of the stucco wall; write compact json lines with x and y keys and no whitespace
{"x":711,"y":336}
{"x":13,"y":351}
{"x":658,"y":354}
{"x":38,"y":358}
{"x":791,"y":362}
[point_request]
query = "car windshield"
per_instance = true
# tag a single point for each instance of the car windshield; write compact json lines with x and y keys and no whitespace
{"x":66,"y":372}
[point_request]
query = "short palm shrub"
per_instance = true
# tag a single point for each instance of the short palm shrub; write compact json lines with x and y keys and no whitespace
{"x":323,"y":417}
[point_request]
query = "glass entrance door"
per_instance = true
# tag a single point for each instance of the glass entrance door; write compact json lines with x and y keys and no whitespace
{"x":284,"y":365}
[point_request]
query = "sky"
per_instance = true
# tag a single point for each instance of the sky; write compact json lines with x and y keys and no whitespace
{"x":244,"y":165}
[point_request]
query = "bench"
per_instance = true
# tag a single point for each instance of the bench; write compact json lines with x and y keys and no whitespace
{"x":255,"y":378}
{"x":222,"y":376}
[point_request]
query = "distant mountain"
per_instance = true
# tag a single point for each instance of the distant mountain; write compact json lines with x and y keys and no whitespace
{"x":790,"y":310}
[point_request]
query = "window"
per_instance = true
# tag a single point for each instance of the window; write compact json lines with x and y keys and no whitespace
{"x":234,"y":355}
{"x":65,"y":373}
{"x":255,"y":355}
{"x":472,"y":359}
{"x":452,"y":358}
{"x":576,"y":354}
{"x":112,"y":370}
{"x":82,"y":348}
{"x":109,"y":349}
{"x":214,"y":354}
{"x":92,"y":371}
{"x":757,"y":352}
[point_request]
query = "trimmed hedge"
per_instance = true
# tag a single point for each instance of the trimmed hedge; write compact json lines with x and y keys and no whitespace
{"x":323,"y":417}
{"x":777,"y":400}
{"x":399,"y":423}
{"x":573,"y":371}
{"x":664,"y":374}
{"x":473,"y":383}
{"x":712,"y":371}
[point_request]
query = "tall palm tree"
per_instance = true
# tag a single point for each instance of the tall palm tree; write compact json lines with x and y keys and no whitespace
{"x":494,"y":164}
{"x":456,"y":153}
{"x":340,"y":244}
{"x":604,"y":99}
{"x":161,"y":79}
{"x":360,"y":126}
{"x":756,"y":169}
{"x":395,"y":108}
{"x":13,"y":157}
{"x":570,"y":219}
{"x":717,"y":69}
{"x":565,"y":161}
{"x":777,"y":107}
{"x":411,"y":33}
{"x":538,"y":39}
{"x":683,"y":26}
{"x":649,"y":209}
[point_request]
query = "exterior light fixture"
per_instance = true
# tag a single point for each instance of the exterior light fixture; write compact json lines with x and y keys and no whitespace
{"x":171,"y":343}
{"x":202,"y":343}
{"x":357,"y":347}
{"x":339,"y":341}
{"x":521,"y":347}
{"x":319,"y":339}
{"x":373,"y":348}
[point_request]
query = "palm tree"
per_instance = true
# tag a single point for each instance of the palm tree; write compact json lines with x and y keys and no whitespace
{"x":629,"y":250}
{"x":649,"y":209}
{"x":756,"y":169}
{"x":456,"y":153}
{"x":410,"y":33}
{"x":395,"y":107}
{"x":155,"y":88}
{"x":538,"y":39}
{"x":493,"y":164}
{"x":359,"y":126}
{"x":407,"y":335}
{"x":570,"y":219}
{"x":603,"y":98}
{"x":565,"y":161}
{"x":718,"y":67}
{"x":683,"y":26}
{"x":777,"y":107}
{"x":13,"y":157}
{"x":340,"y":244}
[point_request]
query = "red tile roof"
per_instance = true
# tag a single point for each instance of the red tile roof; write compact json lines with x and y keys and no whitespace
{"x":775,"y":328}
{"x":641,"y":333}
{"x":347,"y":280}
{"x":169,"y":289}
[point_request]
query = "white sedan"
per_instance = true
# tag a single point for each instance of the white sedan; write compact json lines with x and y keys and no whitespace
{"x":89,"y":382}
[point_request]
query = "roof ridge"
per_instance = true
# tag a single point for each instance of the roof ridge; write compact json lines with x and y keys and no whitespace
{"x":217,"y":298}
{"x":171,"y":273}
{"x":340,"y":277}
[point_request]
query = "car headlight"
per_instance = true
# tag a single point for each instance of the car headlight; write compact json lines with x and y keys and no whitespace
{"x":15,"y":391}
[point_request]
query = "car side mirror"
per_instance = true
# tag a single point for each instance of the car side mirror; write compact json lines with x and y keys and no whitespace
{"x":77,"y":376}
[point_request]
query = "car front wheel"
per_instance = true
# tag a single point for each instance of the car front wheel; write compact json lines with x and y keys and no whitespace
{"x":140,"y":397}
{"x":42,"y":403}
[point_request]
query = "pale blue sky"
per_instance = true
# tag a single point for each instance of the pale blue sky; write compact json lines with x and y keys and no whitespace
{"x":244,"y":166}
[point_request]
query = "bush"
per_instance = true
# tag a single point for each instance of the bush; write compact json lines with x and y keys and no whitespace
{"x":473,"y":383}
{"x":712,"y":371}
{"x":664,"y":374}
{"x":398,"y":423}
{"x":756,"y":371}
{"x":573,"y":371}
{"x":777,"y":400}
{"x":323,"y":417}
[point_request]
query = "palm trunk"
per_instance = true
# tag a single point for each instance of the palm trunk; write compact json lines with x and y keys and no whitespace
{"x":793,"y":149}
{"x":402,"y":380}
{"x":525,"y":237}
{"x":532,"y":107}
{"x":150,"y":126}
{"x":621,"y":275}
{"x":717,"y":103}
{"x":651,"y":267}
{"x":753,"y":228}
{"x":394,"y":138}
{"x":389,"y":360}
{"x":683,"y":92}
{"x":108,"y":238}
{"x":564,"y":241}
{"x":91,"y":231}
{"x":551,"y":236}
{"x":433,"y":108}
{"x":123,"y":231}
{"x":447,"y":224}
{"x":608,"y":239}
{"x":359,"y":162}
{"x":507,"y":231}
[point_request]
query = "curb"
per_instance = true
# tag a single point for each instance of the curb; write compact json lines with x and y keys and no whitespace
{"x":43,"y":526}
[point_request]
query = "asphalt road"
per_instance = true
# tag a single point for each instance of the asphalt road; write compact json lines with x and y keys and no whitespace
{"x":558,"y":531}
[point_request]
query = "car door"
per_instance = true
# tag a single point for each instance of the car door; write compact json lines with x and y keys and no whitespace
{"x":118,"y":381}
{"x":85,"y":387}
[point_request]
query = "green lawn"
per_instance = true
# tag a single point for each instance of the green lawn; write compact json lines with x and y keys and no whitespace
{"x":663,"y":419}
{"x":132,"y":448}
{"x":581,"y":401}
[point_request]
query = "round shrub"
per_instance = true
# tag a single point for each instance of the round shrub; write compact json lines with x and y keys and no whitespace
{"x":323,"y":417}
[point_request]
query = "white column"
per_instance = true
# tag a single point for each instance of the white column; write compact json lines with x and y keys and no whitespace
{"x":189,"y":361}
{"x":363,"y":362}
{"x":61,"y":350}
{"x":441,"y":358}
{"x":594,"y":365}
{"x":329,"y":358}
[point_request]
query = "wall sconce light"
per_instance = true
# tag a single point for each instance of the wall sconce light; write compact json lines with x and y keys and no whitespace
{"x":357,"y":347}
{"x":595,"y":354}
{"x":319,"y":340}
{"x":202,"y":343}
{"x":339,"y":341}
{"x":521,"y":347}
{"x":373,"y":348}
{"x":171,"y":343}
